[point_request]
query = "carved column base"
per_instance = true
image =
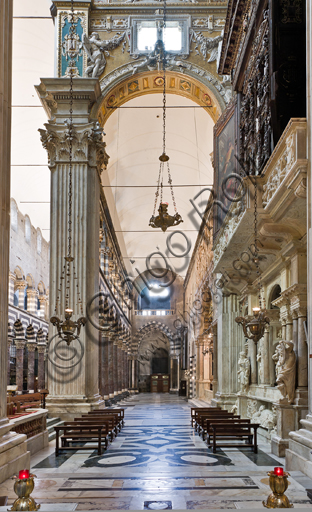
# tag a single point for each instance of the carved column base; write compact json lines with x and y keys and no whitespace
{"x":224,"y":401}
{"x":69,"y":408}
{"x":298,"y":456}
{"x":288,"y":420}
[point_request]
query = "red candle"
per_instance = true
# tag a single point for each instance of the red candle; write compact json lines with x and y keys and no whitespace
{"x":278,"y":471}
{"x":23,"y":474}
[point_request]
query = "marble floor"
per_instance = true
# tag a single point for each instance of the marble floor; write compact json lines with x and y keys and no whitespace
{"x":157,"y":462}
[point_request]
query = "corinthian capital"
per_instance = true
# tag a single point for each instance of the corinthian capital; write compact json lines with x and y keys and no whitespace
{"x":87,"y":144}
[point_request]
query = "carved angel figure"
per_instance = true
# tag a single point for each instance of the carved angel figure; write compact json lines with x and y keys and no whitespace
{"x":97,"y":51}
{"x":243,"y":371}
{"x":206,"y":45}
{"x":285,"y":358}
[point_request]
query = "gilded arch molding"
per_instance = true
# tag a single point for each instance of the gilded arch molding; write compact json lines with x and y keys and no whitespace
{"x":151,"y":82}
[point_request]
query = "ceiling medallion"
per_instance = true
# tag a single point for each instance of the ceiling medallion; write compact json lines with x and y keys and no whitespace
{"x":163,"y":220}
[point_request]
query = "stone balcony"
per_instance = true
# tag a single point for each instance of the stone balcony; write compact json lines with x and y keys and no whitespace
{"x":281,"y":201}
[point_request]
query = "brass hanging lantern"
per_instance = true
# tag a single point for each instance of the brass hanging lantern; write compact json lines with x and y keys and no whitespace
{"x":163,"y":220}
{"x":68,"y":329}
{"x":254,"y":326}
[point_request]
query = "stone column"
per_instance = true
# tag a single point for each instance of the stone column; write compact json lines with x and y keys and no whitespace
{"x":77,"y":388}
{"x":31,"y":347}
{"x":12,"y":279}
{"x":21,"y":285}
{"x":9,"y":356}
{"x":252,"y":351}
{"x":104,"y":380}
{"x":289,"y":327}
{"x":110,"y":368}
{"x":302,"y":350}
{"x":115,"y":369}
{"x":266,"y":356}
{"x":32,"y":301}
{"x":41,"y":365}
{"x":13,"y":447}
{"x":20,"y":345}
{"x":43,"y":301}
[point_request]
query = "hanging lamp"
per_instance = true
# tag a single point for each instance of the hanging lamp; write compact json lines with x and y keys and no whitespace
{"x":254,"y":326}
{"x":163,"y":220}
{"x":68,"y":329}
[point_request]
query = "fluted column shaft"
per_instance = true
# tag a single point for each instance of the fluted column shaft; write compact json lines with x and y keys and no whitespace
{"x":253,"y":361}
{"x":9,"y":365}
{"x":265,"y":356}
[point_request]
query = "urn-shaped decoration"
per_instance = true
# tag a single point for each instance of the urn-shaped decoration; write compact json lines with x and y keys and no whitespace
{"x":278,"y":484}
{"x":23,"y":487}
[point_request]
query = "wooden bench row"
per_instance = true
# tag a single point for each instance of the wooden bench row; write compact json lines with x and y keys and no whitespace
{"x":101,"y":426}
{"x":220,"y":425}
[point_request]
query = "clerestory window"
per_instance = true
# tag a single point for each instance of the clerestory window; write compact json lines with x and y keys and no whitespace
{"x":145,"y":33}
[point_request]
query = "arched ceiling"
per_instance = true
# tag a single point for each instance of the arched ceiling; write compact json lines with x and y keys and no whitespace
{"x":134,"y":143}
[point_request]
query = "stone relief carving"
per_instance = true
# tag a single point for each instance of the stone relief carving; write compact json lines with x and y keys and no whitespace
{"x":282,"y":168}
{"x":87,"y":144}
{"x":251,"y":408}
{"x":97,"y":51}
{"x":206,"y":46}
{"x":235,"y":408}
{"x":109,"y":23}
{"x":243,"y":370}
{"x":235,"y":216}
{"x":265,"y":417}
{"x":285,"y":360}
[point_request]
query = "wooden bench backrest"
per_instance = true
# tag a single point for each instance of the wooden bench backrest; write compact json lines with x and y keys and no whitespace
{"x":30,"y":397}
{"x":108,"y":417}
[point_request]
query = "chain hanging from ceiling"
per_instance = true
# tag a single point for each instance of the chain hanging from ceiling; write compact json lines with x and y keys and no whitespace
{"x":254,"y":326}
{"x":163,"y":220}
{"x":69,"y":329}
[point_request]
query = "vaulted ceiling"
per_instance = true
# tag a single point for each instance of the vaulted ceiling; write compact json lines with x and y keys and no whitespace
{"x":134,"y":143}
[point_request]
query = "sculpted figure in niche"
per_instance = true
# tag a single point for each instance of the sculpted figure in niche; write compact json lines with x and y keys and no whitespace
{"x":260,"y":361}
{"x":97,"y":50}
{"x":243,"y":370}
{"x":285,"y":359}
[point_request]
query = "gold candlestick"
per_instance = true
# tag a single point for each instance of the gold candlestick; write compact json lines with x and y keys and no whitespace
{"x":23,"y":487}
{"x":279,"y":485}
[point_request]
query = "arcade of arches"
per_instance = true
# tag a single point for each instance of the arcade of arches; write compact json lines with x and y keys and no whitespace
{"x":164,"y":311}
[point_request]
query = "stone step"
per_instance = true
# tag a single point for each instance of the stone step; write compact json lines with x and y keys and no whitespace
{"x":307,"y":424}
{"x":51,"y":423}
{"x":302,"y":436}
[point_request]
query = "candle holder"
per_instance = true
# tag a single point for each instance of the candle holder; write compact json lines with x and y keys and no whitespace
{"x":23,"y":487}
{"x":279,"y":484}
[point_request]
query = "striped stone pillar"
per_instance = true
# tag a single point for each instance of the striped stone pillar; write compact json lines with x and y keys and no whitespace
{"x":115,"y":368}
{"x":110,"y":356}
{"x":43,"y":302}
{"x":32,"y":296}
{"x":12,"y":279}
{"x":21,"y":286}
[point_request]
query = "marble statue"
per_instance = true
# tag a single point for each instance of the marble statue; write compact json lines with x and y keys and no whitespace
{"x":243,"y":370}
{"x":97,"y":51}
{"x":285,"y":358}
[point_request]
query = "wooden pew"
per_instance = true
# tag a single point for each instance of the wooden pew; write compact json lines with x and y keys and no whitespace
{"x":98,"y":420}
{"x":210,"y":421}
{"x":231,"y":431}
{"x":75,"y":432}
{"x":117,"y":419}
{"x":193,"y":409}
{"x":199,"y":414}
{"x":203,"y":419}
{"x":119,"y":412}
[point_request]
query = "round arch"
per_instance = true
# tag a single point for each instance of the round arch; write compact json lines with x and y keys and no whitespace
{"x":121,"y":90}
{"x":150,"y":327}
